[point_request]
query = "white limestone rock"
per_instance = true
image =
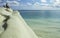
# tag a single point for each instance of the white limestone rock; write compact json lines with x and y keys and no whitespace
{"x":17,"y":27}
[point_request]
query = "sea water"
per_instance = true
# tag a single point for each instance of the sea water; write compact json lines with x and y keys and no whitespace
{"x":45,"y":23}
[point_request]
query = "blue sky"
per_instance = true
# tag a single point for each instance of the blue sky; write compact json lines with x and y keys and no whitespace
{"x":33,"y":4}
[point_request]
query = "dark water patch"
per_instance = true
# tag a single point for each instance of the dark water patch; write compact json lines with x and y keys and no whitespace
{"x":40,"y":13}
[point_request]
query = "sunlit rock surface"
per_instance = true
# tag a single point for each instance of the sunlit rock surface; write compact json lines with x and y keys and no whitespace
{"x":17,"y":27}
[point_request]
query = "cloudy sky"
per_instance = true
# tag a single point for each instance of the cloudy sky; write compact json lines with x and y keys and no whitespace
{"x":33,"y":4}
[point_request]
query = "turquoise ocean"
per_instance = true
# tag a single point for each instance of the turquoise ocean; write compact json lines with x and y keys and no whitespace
{"x":45,"y":23}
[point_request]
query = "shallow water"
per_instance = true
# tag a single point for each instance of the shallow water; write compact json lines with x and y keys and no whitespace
{"x":45,"y":23}
{"x":45,"y":28}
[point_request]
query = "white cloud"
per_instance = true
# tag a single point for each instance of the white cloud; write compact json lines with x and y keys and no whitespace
{"x":44,"y":4}
{"x":57,"y":0}
{"x":13,"y":3}
{"x":43,"y":1}
{"x":56,"y":3}
{"x":17,"y":0}
{"x":36,"y":4}
{"x":29,"y":3}
{"x":38,"y":8}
